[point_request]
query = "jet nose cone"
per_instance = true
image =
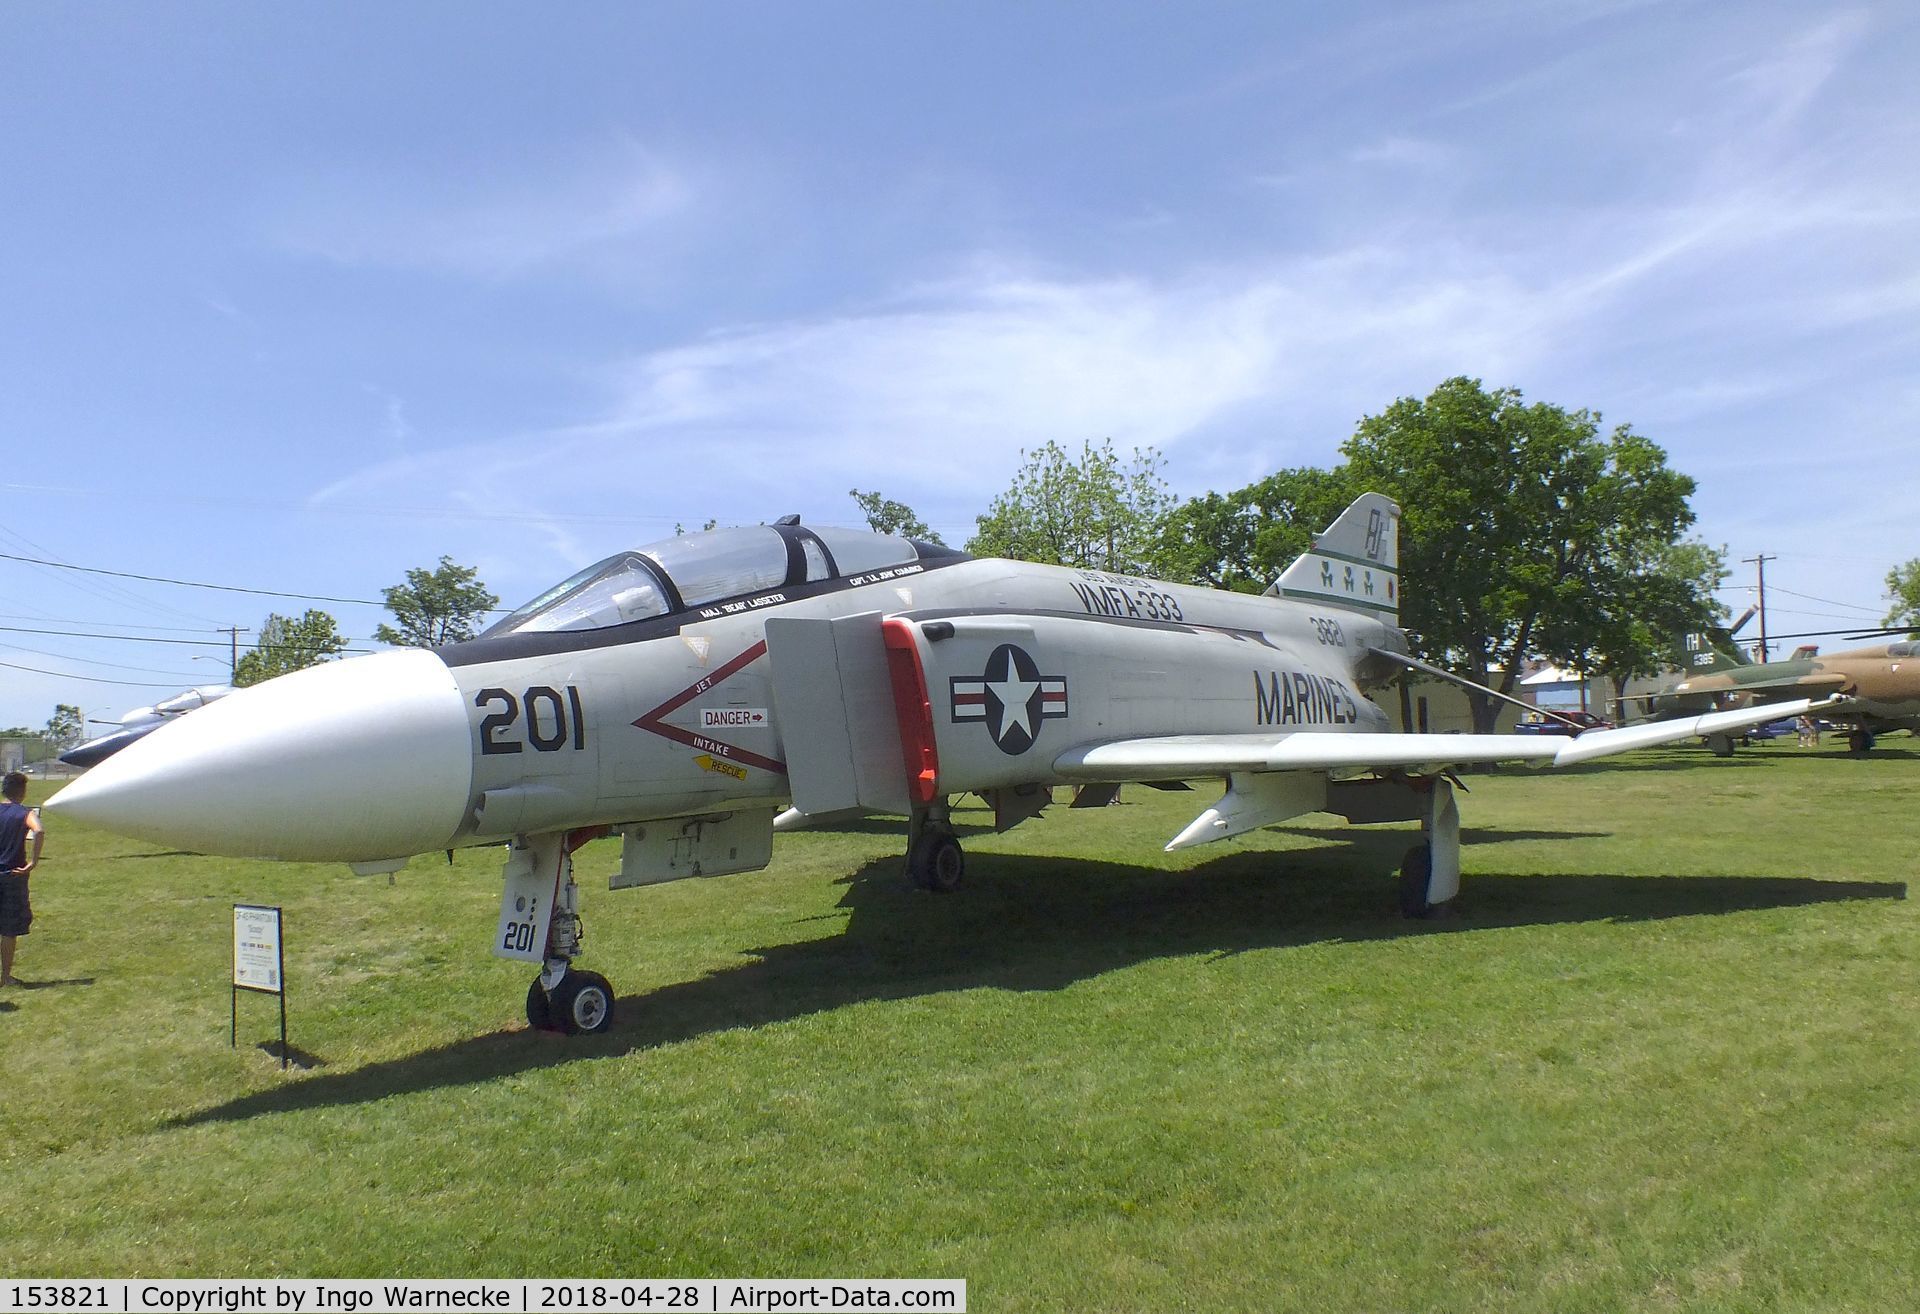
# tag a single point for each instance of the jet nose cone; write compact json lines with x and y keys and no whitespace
{"x":351,"y":761}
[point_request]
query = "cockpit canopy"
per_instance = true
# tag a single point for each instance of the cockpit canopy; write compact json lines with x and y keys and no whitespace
{"x":696,"y":570}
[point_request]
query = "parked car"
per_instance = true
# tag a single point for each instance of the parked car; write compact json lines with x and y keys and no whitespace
{"x":1562,"y":723}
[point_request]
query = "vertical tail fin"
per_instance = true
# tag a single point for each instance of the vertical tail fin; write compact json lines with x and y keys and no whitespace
{"x":1708,"y":650}
{"x":1354,"y":562}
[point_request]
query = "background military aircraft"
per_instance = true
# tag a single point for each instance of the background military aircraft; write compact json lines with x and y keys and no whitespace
{"x":139,"y":722}
{"x":695,"y":695}
{"x":1878,"y":686}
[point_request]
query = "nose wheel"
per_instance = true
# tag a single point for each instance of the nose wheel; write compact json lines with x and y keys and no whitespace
{"x":580,"y":1005}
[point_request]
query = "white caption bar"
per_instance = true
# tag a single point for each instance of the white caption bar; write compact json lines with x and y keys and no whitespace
{"x":516,"y":1295}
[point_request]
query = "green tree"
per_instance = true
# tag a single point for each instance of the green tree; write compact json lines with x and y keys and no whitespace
{"x":1670,"y":593}
{"x":64,"y":728}
{"x":1517,"y":522}
{"x":1903,"y":587}
{"x":435,"y":606}
{"x":886,"y":516}
{"x":289,"y":644}
{"x":1244,"y":539}
{"x":1091,"y":512}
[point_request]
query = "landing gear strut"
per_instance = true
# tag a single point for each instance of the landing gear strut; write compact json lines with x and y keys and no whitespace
{"x":1430,"y":872}
{"x":540,"y":875}
{"x":934,"y":859}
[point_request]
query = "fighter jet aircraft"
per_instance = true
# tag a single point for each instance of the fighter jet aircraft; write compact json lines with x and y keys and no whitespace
{"x":1876,"y":689}
{"x":698,"y":694}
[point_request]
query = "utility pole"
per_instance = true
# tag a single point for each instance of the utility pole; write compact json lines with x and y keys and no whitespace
{"x":233,"y":632}
{"x":1760,"y":563}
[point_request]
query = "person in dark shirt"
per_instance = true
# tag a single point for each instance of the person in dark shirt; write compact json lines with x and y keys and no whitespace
{"x":19,"y":831}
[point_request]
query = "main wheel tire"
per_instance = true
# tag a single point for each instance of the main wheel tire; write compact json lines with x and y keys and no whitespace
{"x":1720,"y":745}
{"x":583,"y":1003}
{"x":1859,"y":742}
{"x":937,"y":863}
{"x":539,"y":1008}
{"x":1416,"y":876}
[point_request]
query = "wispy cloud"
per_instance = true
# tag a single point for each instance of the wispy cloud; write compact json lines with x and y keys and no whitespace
{"x":934,"y":394}
{"x":1236,"y":367}
{"x":475,"y":222}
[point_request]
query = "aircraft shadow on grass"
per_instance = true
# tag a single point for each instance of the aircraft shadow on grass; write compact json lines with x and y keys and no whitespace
{"x":1691,"y":760}
{"x":1038,"y":923}
{"x":1468,"y":834}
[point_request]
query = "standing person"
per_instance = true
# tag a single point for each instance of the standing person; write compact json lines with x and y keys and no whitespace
{"x":17,"y":822}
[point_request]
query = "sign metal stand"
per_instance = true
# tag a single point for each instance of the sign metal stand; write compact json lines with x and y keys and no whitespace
{"x":259,"y":966}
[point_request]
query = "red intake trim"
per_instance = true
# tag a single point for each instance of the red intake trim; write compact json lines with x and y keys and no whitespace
{"x":914,"y":709}
{"x":579,"y":839}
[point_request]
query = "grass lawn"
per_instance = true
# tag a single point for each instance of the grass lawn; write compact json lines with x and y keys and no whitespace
{"x":1663,"y":1056}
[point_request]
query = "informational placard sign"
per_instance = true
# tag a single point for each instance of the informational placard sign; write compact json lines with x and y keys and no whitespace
{"x":259,"y":965}
{"x":256,"y":949}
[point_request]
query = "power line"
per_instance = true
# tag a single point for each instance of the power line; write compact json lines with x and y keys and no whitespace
{"x":92,"y":679}
{"x":189,"y":643}
{"x":94,"y":661}
{"x":188,"y":583}
{"x":1850,"y":606}
{"x":108,"y":592}
{"x":125,"y":625}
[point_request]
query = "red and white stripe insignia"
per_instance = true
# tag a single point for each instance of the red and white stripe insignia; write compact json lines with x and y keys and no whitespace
{"x":969,"y":700}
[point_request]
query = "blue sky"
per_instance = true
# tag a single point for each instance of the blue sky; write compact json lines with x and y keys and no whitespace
{"x":298,"y":297}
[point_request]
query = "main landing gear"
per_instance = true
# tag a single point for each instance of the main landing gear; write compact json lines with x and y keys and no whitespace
{"x":561,"y":998}
{"x":1430,"y":872}
{"x":934,"y":859}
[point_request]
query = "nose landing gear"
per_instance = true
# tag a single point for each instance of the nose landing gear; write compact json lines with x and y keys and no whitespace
{"x":540,"y":906}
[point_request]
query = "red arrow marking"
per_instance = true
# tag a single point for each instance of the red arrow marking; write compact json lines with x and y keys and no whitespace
{"x":655,"y":722}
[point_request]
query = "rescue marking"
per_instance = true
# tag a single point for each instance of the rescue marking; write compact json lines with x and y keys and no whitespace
{"x":720,"y":768}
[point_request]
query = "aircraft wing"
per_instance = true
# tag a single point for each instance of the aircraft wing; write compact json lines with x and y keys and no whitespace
{"x":1812,"y":686}
{"x":1173,"y":756}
